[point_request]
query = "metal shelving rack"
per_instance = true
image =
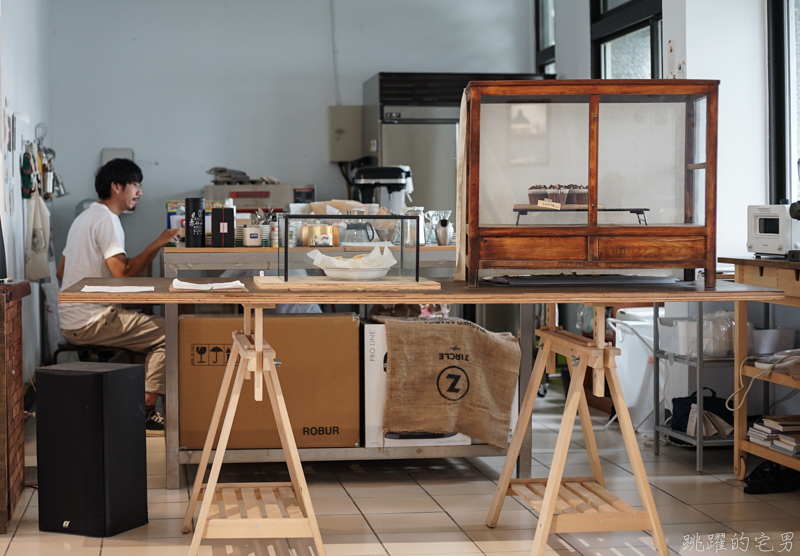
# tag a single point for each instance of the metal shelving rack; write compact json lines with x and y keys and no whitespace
{"x":700,"y":364}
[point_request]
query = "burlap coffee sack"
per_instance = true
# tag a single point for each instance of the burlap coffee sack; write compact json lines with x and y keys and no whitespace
{"x":450,"y":375}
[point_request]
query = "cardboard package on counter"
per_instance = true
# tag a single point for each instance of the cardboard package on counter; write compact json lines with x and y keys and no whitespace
{"x":319,"y":377}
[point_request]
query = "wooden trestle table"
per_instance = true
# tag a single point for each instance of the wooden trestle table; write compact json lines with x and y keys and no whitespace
{"x":563,"y":504}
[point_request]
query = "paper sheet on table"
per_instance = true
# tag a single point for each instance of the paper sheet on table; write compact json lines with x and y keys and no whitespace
{"x":235,"y":285}
{"x":117,"y":289}
{"x":375,"y":259}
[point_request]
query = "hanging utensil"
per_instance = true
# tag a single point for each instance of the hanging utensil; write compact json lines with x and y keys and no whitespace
{"x":40,"y":132}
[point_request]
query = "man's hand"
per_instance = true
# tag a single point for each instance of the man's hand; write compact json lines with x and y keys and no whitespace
{"x":122,"y":267}
{"x":167,"y":236}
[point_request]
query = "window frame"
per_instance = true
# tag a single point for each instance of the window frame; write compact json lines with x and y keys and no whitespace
{"x":778,"y":78}
{"x":544,"y":56}
{"x":626,"y":18}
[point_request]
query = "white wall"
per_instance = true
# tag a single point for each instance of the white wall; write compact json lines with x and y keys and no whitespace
{"x":243,"y":83}
{"x":573,"y":40}
{"x":25,"y":88}
{"x":733,"y":49}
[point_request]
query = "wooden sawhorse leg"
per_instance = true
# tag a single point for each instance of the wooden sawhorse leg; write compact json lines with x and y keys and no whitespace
{"x":545,"y":362}
{"x":271,"y":510}
{"x":570,"y":505}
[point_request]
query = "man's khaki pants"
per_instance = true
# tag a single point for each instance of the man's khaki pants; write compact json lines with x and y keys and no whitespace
{"x":133,"y":331}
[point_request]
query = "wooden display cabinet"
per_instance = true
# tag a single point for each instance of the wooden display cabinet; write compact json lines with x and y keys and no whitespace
{"x":640,"y":160}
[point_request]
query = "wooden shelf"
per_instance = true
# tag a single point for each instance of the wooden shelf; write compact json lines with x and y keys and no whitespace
{"x":582,"y":505}
{"x":770,"y":273}
{"x":774,"y":377}
{"x":768,"y":454}
{"x":257,"y":511}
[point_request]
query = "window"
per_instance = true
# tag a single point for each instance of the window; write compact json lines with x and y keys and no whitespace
{"x":626,"y":39}
{"x":627,"y":57}
{"x":546,"y":34}
{"x":608,"y":5}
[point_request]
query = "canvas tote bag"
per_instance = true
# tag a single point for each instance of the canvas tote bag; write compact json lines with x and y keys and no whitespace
{"x":37,"y":238}
{"x":450,"y":375}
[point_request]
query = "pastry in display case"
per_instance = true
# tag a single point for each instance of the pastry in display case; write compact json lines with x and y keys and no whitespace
{"x":599,"y":174}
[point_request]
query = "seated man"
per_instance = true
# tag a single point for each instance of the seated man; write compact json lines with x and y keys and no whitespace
{"x":96,"y":249}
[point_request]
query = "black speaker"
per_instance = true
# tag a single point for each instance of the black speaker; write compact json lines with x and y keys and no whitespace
{"x":90,"y":442}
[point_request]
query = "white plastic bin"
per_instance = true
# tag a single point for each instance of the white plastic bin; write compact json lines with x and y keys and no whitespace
{"x":676,"y":335}
{"x":767,"y":342}
{"x":635,"y":362}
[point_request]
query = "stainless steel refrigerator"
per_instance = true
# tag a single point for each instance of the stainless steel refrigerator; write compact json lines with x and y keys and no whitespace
{"x":412,"y":119}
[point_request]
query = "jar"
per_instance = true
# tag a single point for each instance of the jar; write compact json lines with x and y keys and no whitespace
{"x":273,"y":234}
{"x":252,"y":235}
{"x":195,"y":222}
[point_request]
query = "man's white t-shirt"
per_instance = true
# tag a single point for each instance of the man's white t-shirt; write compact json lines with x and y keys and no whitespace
{"x":95,"y":235}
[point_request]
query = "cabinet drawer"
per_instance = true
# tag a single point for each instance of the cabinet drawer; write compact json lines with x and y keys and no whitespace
{"x":643,"y":248}
{"x":534,"y":248}
{"x":765,"y":276}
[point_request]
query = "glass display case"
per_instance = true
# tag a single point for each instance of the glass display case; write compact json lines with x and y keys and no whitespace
{"x":598,"y":174}
{"x":374,"y":246}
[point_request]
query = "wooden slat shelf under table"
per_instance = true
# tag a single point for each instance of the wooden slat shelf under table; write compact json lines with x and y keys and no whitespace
{"x":767,"y":453}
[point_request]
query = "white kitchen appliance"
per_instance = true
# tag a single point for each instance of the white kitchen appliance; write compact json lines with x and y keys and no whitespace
{"x":771,"y":230}
{"x":248,"y":198}
{"x":412,"y":119}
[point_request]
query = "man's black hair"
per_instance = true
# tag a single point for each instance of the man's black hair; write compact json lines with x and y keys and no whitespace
{"x":120,"y":170}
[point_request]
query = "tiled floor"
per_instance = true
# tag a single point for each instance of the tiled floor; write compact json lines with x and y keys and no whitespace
{"x":425,"y":507}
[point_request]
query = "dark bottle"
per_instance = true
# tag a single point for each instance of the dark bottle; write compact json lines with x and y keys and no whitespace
{"x":195,"y":222}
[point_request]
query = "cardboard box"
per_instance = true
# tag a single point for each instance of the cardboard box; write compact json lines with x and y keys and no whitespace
{"x":223,"y":227}
{"x":319,"y":377}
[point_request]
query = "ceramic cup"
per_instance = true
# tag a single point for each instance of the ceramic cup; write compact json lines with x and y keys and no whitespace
{"x":251,"y":236}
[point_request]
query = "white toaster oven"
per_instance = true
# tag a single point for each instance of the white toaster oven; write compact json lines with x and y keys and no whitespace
{"x":771,"y":231}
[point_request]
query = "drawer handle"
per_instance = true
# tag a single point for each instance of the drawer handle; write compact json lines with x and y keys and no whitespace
{"x":761,"y":271}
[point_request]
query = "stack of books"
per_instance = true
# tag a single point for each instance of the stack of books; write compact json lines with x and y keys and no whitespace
{"x":788,"y":444}
{"x":760,"y":434}
{"x":777,"y":432}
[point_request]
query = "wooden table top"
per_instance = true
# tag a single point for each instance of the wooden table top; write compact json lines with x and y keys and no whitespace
{"x":451,"y":292}
{"x":776,"y":263}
